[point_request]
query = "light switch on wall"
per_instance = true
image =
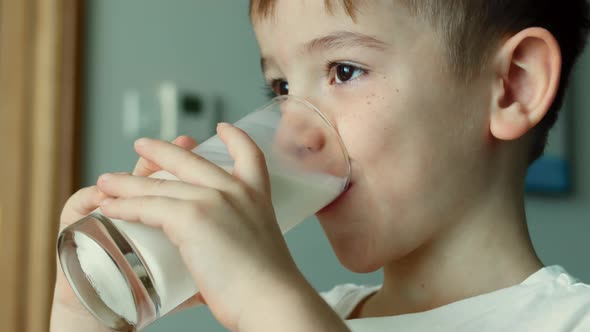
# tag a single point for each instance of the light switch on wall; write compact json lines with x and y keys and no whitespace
{"x":131,"y":113}
{"x":169,"y":111}
{"x":168,"y":97}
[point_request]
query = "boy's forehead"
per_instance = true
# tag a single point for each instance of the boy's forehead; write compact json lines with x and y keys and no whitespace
{"x":260,"y":9}
{"x":305,"y":19}
{"x":377,"y":15}
{"x":298,"y":14}
{"x":264,"y":9}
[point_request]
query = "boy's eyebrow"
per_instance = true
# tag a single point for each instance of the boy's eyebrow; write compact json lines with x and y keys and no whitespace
{"x":341,"y":39}
{"x":335,"y":40}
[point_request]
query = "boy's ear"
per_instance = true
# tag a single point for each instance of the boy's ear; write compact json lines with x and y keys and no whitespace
{"x":528,"y":70}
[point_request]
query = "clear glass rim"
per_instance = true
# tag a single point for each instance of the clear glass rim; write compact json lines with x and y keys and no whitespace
{"x":135,"y":272}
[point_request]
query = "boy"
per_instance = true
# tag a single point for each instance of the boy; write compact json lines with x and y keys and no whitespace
{"x":442,"y":106}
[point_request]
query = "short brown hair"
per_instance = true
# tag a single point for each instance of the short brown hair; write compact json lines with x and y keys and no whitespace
{"x":471,"y":29}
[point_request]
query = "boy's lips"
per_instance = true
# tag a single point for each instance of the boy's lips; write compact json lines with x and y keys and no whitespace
{"x":336,"y":202}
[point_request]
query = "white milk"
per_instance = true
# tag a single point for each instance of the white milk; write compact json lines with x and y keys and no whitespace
{"x":105,"y":277}
{"x":294,"y":198}
{"x":298,"y":197}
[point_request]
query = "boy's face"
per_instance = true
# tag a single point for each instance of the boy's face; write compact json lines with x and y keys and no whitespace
{"x":417,"y":139}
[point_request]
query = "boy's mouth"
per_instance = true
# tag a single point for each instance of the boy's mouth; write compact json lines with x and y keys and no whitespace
{"x":336,"y":202}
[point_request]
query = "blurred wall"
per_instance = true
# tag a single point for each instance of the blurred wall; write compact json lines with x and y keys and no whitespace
{"x":560,"y":226}
{"x":208,"y":47}
{"x":205,"y":47}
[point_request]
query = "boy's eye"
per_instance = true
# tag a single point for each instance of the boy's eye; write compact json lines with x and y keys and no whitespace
{"x":280,"y":87}
{"x":345,"y":72}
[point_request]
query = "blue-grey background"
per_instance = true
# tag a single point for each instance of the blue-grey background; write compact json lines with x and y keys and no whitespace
{"x":207,"y":47}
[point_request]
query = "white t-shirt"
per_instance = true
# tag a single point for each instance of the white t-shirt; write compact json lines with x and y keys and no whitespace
{"x":550,"y":300}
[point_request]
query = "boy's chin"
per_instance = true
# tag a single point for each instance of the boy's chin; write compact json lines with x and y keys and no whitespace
{"x":352,"y":248}
{"x":355,"y":262}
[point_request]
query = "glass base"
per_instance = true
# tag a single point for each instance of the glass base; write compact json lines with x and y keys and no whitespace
{"x":129,"y":263}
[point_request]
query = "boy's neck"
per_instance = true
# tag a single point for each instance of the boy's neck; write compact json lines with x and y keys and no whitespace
{"x":488,"y":250}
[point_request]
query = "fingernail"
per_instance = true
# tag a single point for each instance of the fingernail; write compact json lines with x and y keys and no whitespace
{"x":106,"y":201}
{"x":223,"y":124}
{"x":105,"y":177}
{"x":141,"y":142}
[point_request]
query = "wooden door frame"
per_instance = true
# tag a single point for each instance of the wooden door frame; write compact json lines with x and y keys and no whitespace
{"x":40,"y":107}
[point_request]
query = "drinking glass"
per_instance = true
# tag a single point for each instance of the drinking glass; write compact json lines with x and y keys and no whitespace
{"x":128,"y":274}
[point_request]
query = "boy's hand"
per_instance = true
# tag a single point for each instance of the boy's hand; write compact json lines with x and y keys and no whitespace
{"x":223,"y":224}
{"x":77,"y":207}
{"x":145,"y":167}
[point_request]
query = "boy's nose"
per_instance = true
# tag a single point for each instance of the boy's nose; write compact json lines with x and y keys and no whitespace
{"x":306,"y":137}
{"x":303,"y":138}
{"x":305,"y":129}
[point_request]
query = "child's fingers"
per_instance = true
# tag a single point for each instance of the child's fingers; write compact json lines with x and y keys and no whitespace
{"x":250,"y":164}
{"x":155,"y":211}
{"x":185,"y":165}
{"x":81,"y":204}
{"x":128,"y":186}
{"x":145,"y":167}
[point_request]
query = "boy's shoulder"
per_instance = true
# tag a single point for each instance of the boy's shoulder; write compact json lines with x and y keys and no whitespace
{"x":344,"y":298}
{"x":550,"y":299}
{"x":554,"y":288}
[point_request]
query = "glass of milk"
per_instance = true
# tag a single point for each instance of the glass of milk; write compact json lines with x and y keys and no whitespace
{"x":128,"y":274}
